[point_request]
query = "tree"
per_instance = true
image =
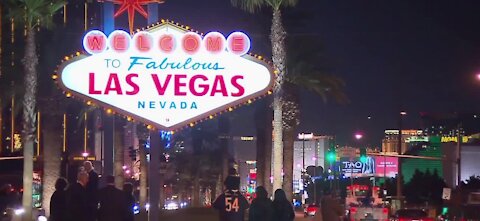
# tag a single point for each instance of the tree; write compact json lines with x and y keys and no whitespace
{"x":305,"y":70}
{"x":34,"y":13}
{"x":279,"y":54}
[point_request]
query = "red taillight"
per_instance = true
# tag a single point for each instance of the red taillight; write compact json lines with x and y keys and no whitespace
{"x":353,"y":210}
{"x":385,"y":210}
{"x":311,"y":209}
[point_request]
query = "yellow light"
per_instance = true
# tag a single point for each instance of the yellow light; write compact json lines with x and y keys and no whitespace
{"x":78,"y":53}
{"x":68,"y":94}
{"x":163,"y":20}
{"x":211,"y":117}
{"x":89,"y":103}
{"x":187,"y":27}
{"x":129,"y":118}
{"x":66,"y":58}
{"x":54,"y":76}
{"x":149,"y":127}
{"x":249,"y":101}
{"x":109,"y":111}
{"x":269,"y":92}
{"x":260,"y":57}
{"x":276,"y":72}
{"x":192,"y":124}
{"x":230,"y":109}
{"x":173,"y":132}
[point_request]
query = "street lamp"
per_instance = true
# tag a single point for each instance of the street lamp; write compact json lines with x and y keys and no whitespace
{"x":399,"y":152}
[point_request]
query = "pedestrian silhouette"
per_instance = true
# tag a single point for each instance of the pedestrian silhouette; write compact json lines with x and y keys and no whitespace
{"x":77,"y":205}
{"x":282,"y":208}
{"x":92,"y":189}
{"x":261,"y":208}
{"x":58,"y":201}
{"x":112,"y":202}
{"x":231,"y":204}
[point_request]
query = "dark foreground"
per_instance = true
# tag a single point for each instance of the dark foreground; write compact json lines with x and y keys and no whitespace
{"x":199,"y":214}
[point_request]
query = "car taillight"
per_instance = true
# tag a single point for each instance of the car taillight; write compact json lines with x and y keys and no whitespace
{"x":353,"y":210}
{"x":385,"y":210}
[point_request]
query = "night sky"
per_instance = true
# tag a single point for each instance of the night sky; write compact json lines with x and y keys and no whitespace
{"x":410,"y":55}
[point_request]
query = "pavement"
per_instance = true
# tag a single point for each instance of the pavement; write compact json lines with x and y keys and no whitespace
{"x":203,"y":214}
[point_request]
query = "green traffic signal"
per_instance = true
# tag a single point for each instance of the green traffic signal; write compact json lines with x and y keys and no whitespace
{"x":331,"y":156}
{"x":444,"y":210}
{"x":363,"y":159}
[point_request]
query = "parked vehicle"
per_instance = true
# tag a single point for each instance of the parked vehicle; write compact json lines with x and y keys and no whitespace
{"x":411,"y":215}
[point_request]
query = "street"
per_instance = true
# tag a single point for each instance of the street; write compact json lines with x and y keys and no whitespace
{"x":203,"y":214}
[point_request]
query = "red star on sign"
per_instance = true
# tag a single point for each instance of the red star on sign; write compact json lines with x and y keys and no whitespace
{"x":130,"y":6}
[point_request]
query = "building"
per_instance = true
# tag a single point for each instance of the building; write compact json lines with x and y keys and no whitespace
{"x":390,"y":141}
{"x":309,"y":150}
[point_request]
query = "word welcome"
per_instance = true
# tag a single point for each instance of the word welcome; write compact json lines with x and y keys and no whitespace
{"x":95,"y":42}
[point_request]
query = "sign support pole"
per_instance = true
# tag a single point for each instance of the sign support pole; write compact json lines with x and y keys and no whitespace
{"x":154,"y":176}
{"x":108,"y":123}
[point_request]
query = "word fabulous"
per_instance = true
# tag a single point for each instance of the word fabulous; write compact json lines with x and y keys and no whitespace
{"x":95,"y":42}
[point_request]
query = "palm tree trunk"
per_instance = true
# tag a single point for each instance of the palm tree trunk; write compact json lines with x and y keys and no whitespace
{"x":277,"y":37}
{"x":288,"y":152}
{"x":119,"y":159}
{"x":196,"y":190}
{"x":52,"y":150}
{"x":30,"y":62}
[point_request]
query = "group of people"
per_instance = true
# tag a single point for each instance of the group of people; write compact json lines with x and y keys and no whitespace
{"x":84,"y":201}
{"x":232,"y":205}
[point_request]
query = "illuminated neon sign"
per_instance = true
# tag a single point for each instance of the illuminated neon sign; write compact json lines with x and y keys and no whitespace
{"x":166,"y":77}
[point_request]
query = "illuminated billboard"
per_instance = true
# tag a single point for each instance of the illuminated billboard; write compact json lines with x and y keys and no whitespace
{"x":167,"y":76}
{"x":378,"y":166}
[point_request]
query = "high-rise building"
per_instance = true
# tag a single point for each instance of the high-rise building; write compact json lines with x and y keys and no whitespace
{"x":309,"y":150}
{"x":390,"y":141}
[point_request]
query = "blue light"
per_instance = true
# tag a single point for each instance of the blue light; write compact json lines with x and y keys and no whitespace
{"x":166,"y":138}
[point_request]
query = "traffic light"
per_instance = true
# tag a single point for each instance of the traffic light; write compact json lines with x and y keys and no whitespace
{"x":363,"y":155}
{"x":132,"y":153}
{"x":332,"y":155}
{"x":444,"y":210}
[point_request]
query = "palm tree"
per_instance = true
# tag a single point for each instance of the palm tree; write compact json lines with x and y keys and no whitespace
{"x":305,"y":70}
{"x":279,"y":54}
{"x":143,"y":136}
{"x":34,"y":13}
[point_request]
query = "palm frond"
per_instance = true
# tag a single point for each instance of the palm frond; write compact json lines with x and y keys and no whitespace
{"x":34,"y":12}
{"x":251,"y":6}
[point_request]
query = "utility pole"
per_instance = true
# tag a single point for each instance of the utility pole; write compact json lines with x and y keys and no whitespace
{"x":399,"y":152}
{"x":459,"y":154}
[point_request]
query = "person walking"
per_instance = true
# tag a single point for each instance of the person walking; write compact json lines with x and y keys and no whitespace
{"x":282,"y":208}
{"x":231,"y":204}
{"x":261,"y":208}
{"x":112,"y":202}
{"x":77,"y":205}
{"x":330,"y":208}
{"x":58,"y":201}
{"x":92,"y":189}
{"x":130,"y":201}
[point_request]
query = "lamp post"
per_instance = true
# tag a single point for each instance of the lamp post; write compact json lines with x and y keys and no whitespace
{"x":399,"y":152}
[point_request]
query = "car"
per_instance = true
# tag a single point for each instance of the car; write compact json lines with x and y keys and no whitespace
{"x":411,"y":215}
{"x":310,"y":210}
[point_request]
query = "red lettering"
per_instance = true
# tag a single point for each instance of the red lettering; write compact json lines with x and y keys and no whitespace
{"x":219,"y":86}
{"x":113,"y":84}
{"x":179,"y":84}
{"x":166,"y":43}
{"x":135,"y":87}
{"x":143,"y":43}
{"x":214,"y":42}
{"x":96,"y":43}
{"x":161,"y":89}
{"x":191,"y":43}
{"x":239,"y":87}
{"x":204,"y":87}
{"x":119,"y":41}
{"x":91,"y":84}
{"x":238,"y":43}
